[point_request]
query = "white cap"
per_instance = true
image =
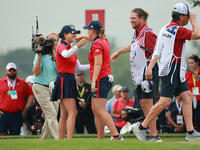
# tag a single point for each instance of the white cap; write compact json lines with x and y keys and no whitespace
{"x":29,"y":79}
{"x":117,"y":87}
{"x":182,"y":9}
{"x":11,"y":65}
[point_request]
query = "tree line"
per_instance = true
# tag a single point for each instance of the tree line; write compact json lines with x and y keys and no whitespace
{"x":24,"y":57}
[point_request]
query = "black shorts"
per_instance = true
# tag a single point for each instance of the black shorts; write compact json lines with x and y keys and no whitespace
{"x":103,"y":87}
{"x":171,"y":84}
{"x":65,"y":87}
{"x":153,"y":94}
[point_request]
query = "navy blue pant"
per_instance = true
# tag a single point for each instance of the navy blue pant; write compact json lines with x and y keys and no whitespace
{"x":86,"y":120}
{"x":11,"y":123}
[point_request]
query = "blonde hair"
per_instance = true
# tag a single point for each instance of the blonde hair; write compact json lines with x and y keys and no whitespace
{"x":101,"y":33}
{"x":53,"y":33}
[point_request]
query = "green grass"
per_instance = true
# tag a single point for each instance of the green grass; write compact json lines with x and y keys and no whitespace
{"x":89,"y":142}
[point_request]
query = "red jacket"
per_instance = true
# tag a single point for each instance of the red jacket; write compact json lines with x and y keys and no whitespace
{"x":190,"y":81}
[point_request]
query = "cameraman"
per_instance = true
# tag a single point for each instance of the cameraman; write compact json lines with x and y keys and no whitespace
{"x":34,"y":118}
{"x":45,"y":71}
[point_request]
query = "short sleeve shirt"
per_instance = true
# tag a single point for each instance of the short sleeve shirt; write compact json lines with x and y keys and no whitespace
{"x":65,"y":65}
{"x":118,"y":105}
{"x":9,"y":105}
{"x":190,"y":82}
{"x":150,"y":40}
{"x":182,"y":35}
{"x":48,"y":70}
{"x":100,"y":47}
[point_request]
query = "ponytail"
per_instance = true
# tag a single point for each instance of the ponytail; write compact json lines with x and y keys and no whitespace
{"x":101,"y":33}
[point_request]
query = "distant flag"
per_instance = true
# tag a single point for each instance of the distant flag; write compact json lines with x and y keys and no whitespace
{"x":91,"y":15}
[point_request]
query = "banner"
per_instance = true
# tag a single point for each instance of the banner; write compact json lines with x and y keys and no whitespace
{"x":91,"y":15}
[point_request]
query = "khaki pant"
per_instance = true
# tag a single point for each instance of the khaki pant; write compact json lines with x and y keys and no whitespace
{"x":50,"y":109}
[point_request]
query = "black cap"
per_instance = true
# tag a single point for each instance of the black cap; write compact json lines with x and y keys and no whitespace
{"x":69,"y":29}
{"x":95,"y":24}
{"x":124,"y":88}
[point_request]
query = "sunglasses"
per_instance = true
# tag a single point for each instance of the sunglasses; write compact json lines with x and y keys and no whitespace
{"x":12,"y":70}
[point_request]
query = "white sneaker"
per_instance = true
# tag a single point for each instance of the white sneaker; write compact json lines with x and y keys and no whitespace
{"x":140,"y":134}
{"x":195,"y":136}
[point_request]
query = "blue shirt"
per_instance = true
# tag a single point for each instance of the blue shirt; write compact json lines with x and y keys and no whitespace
{"x":109,"y":105}
{"x":48,"y":70}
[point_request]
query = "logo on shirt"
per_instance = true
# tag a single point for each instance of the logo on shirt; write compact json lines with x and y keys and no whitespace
{"x":97,"y":50}
{"x":172,"y":30}
{"x":167,"y":35}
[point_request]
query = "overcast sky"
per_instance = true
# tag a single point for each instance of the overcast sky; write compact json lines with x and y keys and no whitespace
{"x":18,"y":16}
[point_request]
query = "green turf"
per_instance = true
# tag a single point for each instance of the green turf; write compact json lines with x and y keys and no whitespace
{"x":89,"y":142}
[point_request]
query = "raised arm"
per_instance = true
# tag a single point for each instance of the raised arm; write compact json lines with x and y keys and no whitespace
{"x":71,"y":51}
{"x":37,"y":68}
{"x":78,"y":38}
{"x":196,"y":30}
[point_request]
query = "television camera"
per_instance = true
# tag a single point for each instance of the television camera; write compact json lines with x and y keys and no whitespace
{"x":38,"y":39}
{"x":38,"y":120}
{"x":133,"y":115}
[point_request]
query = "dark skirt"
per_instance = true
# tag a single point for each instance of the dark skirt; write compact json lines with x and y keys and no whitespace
{"x":65,"y":87}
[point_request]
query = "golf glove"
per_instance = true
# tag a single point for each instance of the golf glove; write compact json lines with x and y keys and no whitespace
{"x":51,"y":85}
{"x":110,"y":78}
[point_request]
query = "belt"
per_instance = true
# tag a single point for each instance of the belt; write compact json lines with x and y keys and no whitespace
{"x":42,"y":84}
